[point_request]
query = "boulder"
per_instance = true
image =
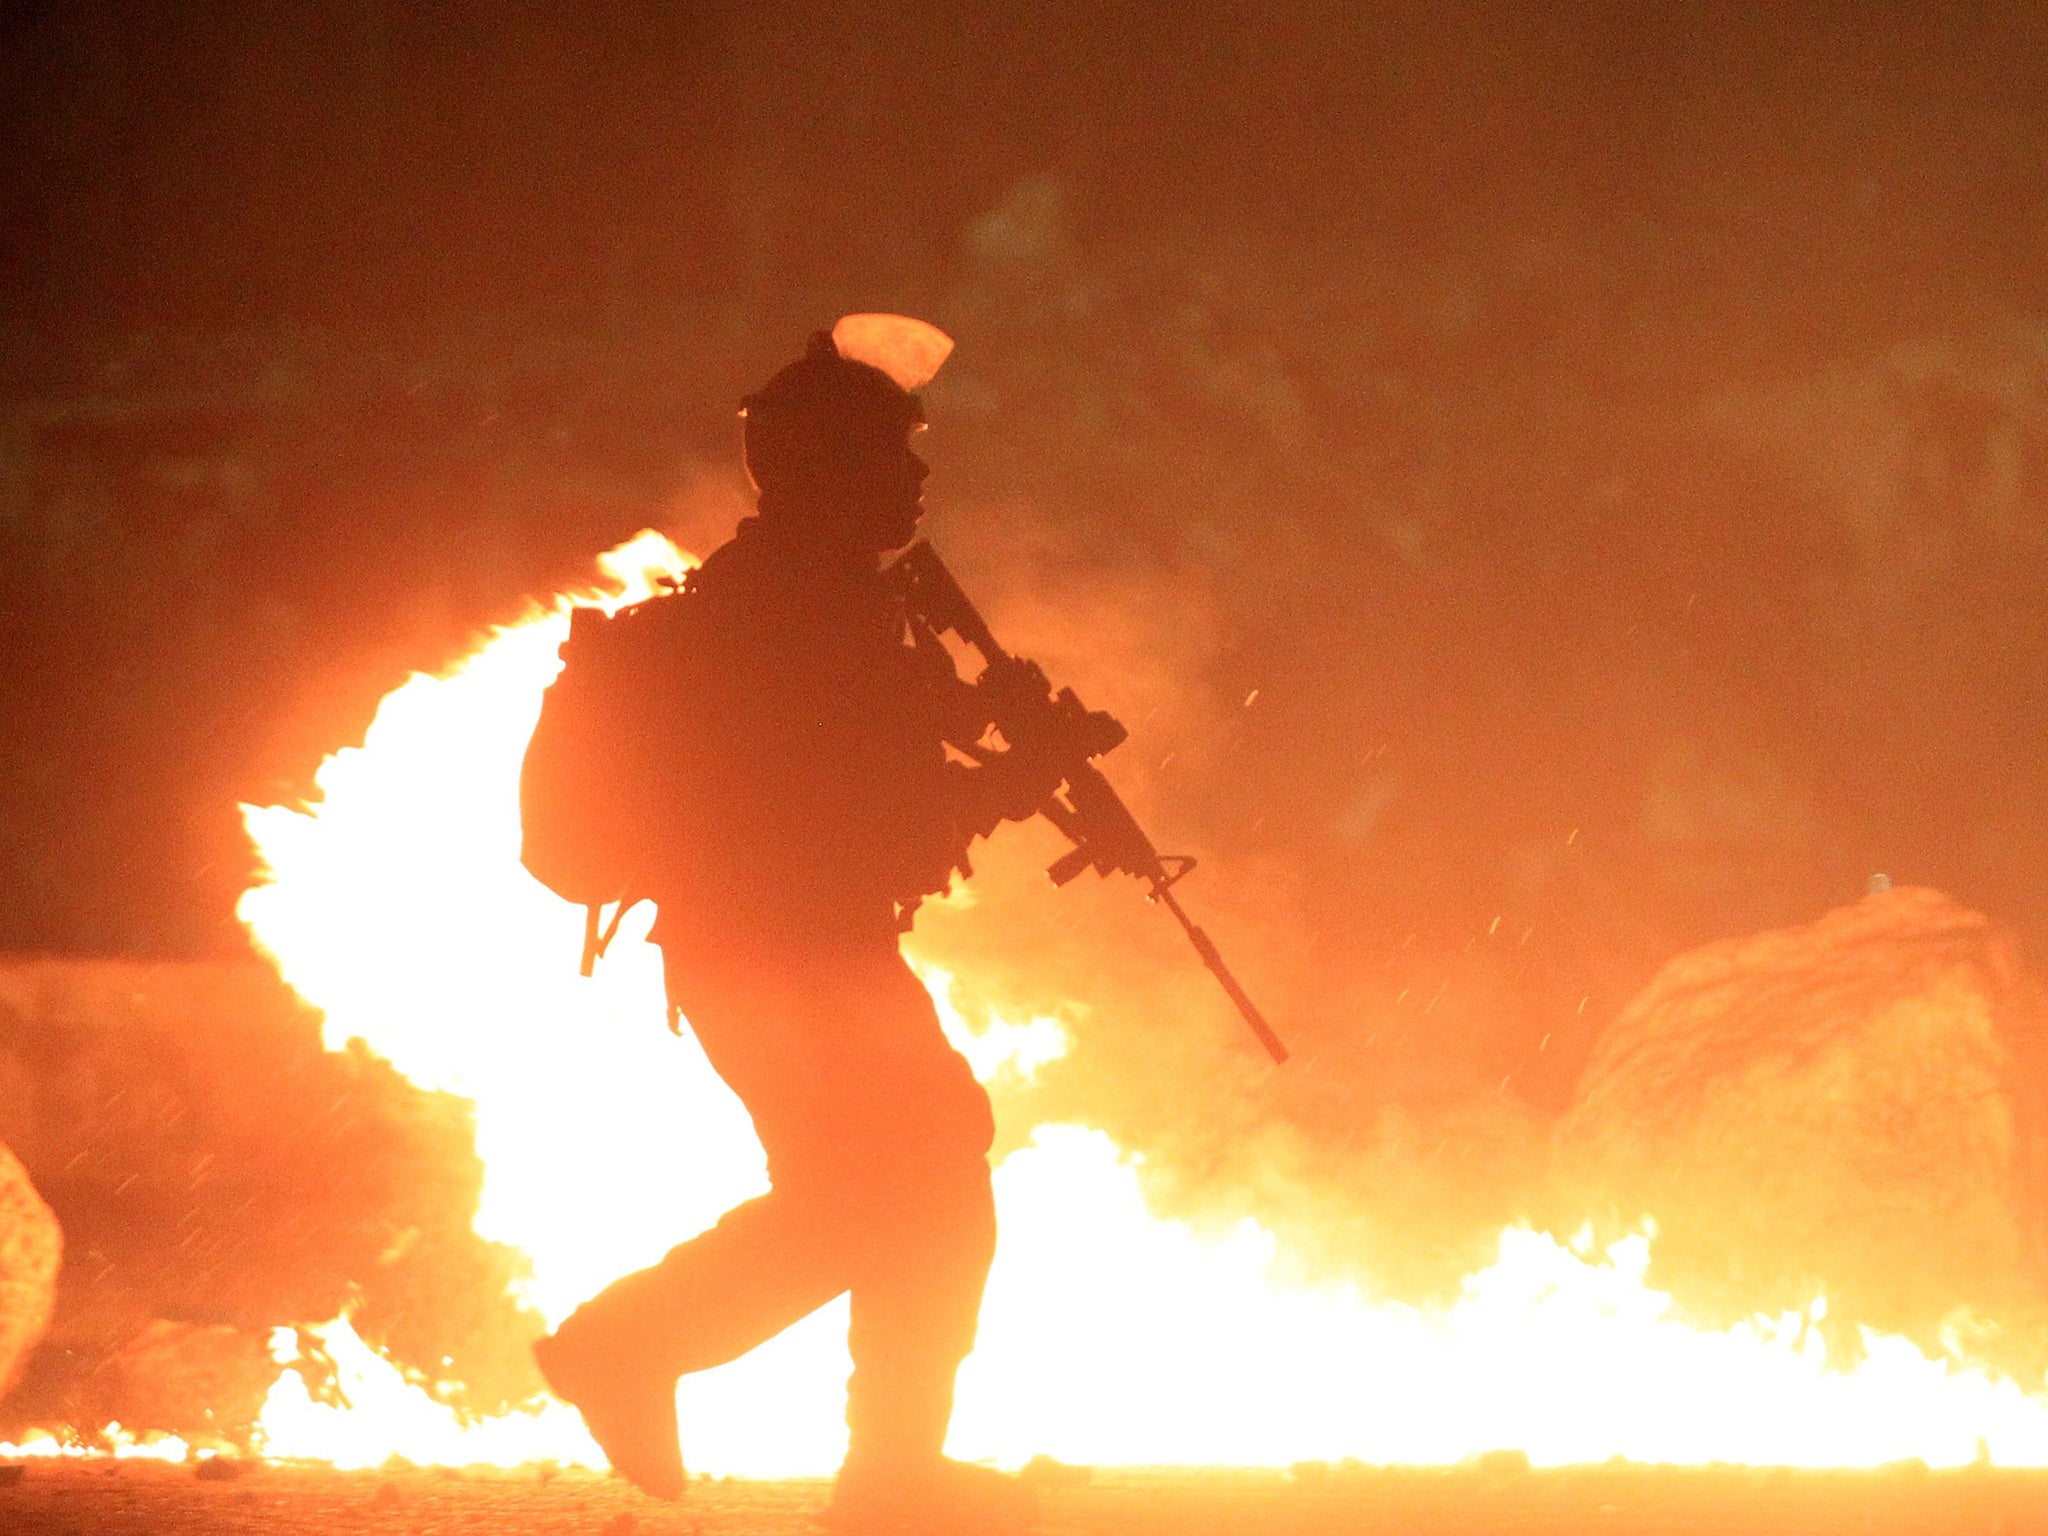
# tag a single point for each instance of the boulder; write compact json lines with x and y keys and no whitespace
{"x":218,"y":1173}
{"x":1853,"y":1109}
{"x":31,"y":1249}
{"x":198,"y":1380}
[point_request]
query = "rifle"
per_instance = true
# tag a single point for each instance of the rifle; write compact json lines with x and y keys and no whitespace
{"x":1067,"y":734}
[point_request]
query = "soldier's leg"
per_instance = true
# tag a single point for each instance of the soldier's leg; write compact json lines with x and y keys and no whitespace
{"x":916,"y":1293}
{"x":765,"y":1265}
{"x":915,"y":1309}
{"x":931,"y":1228}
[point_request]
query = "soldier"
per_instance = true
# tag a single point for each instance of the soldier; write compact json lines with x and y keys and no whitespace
{"x":813,"y":803}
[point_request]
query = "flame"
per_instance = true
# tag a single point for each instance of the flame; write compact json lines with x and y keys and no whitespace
{"x":397,"y":905}
{"x":381,"y":1415}
{"x":112,"y":1441}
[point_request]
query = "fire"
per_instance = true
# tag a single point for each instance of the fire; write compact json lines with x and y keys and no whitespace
{"x":112,"y":1441}
{"x":397,"y":905}
{"x":381,"y":1415}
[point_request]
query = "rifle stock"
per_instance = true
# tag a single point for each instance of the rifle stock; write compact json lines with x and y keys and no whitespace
{"x":1085,"y":806}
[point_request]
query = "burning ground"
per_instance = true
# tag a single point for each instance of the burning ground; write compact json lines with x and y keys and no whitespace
{"x":1891,"y":1045}
{"x":1312,"y":1500}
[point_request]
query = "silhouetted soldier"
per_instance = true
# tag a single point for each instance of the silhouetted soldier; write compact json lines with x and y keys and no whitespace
{"x":813,"y":803}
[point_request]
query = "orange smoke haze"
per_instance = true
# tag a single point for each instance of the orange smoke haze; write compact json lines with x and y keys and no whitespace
{"x":1111,"y":1334}
{"x":1547,"y":489}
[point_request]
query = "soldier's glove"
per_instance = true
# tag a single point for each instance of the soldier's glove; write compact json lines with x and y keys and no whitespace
{"x":1012,"y":786}
{"x":1013,"y":687}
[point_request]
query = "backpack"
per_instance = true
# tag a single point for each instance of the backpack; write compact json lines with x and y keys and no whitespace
{"x":609,"y":737}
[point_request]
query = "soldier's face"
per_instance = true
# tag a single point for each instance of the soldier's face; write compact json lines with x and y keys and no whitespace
{"x":883,"y":491}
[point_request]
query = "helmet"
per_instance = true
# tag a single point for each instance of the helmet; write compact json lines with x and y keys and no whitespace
{"x":810,"y":413}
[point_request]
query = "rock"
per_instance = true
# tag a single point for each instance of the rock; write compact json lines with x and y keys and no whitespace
{"x":183,"y":1378}
{"x":212,"y":1162}
{"x":31,"y":1249}
{"x":1852,"y":1108}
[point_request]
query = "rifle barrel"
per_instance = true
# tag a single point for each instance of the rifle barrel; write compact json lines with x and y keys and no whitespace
{"x":1213,"y":959}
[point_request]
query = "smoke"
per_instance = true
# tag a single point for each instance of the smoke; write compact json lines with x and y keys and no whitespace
{"x":1543,"y":495}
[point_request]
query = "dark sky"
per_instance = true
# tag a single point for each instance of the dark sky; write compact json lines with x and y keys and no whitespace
{"x":1611,"y":439}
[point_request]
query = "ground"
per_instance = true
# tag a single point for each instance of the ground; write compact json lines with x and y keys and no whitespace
{"x":132,"y":1499}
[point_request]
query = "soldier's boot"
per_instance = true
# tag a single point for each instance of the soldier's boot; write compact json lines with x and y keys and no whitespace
{"x":896,"y":1477}
{"x":599,"y":1365}
{"x":932,"y":1497}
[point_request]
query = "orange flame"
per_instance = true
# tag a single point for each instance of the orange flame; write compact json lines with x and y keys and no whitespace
{"x":112,"y":1441}
{"x":398,"y":906}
